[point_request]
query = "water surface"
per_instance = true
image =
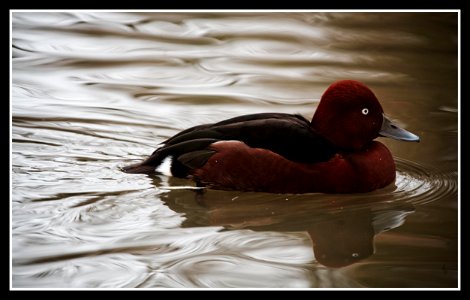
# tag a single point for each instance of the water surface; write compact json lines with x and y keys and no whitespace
{"x":93,"y":91}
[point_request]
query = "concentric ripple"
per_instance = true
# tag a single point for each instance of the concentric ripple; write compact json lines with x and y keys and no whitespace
{"x":420,"y":185}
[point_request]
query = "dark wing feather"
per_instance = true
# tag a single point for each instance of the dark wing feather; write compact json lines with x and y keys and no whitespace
{"x":195,"y":159}
{"x":288,"y":135}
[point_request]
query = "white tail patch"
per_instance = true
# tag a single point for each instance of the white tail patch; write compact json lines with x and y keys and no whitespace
{"x":165,"y":166}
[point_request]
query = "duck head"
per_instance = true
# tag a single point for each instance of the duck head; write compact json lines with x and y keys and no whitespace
{"x":350,"y":116}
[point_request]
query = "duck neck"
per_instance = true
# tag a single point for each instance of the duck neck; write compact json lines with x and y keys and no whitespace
{"x":336,"y":137}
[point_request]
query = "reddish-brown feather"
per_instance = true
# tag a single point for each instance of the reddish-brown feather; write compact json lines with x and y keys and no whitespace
{"x":237,"y":166}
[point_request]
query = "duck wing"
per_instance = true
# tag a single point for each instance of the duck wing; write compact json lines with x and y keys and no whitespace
{"x":285,"y":134}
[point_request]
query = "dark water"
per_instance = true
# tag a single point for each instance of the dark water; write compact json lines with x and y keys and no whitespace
{"x":93,"y":91}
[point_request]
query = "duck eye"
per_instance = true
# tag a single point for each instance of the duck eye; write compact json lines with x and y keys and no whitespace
{"x":365,"y":111}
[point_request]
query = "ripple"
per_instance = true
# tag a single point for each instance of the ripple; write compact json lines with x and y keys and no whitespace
{"x":422,"y":185}
{"x":228,"y":259}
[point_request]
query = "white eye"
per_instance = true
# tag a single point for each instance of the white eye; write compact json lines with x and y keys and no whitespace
{"x":365,"y":111}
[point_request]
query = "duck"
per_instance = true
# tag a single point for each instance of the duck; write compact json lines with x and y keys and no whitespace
{"x":335,"y":152}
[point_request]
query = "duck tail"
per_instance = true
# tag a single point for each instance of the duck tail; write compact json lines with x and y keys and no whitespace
{"x":138,"y":168}
{"x":183,"y":157}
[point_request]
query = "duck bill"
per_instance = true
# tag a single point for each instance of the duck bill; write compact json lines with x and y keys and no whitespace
{"x":389,"y":129}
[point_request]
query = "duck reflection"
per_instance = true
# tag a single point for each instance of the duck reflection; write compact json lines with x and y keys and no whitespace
{"x":341,"y":227}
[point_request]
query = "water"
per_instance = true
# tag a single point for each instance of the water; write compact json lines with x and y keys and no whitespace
{"x":93,"y":91}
